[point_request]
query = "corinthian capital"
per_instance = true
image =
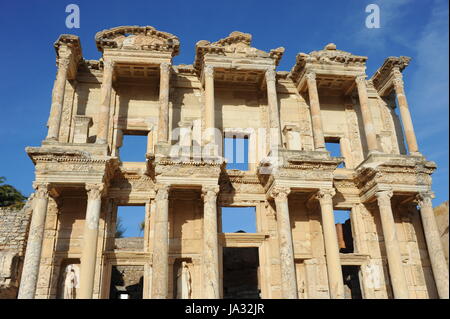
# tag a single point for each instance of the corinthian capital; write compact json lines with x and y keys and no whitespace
{"x":162,"y":192}
{"x":310,"y":76}
{"x":397,"y":78}
{"x":94,"y":191}
{"x":165,"y":67}
{"x":108,"y":64}
{"x":209,"y":193}
{"x":361,"y":79}
{"x":280,"y":193}
{"x":384,"y":197}
{"x":326,"y":194}
{"x":41,"y":190}
{"x":209,"y":70}
{"x":63,"y":62}
{"x":424,"y":199}
{"x":270,"y":75}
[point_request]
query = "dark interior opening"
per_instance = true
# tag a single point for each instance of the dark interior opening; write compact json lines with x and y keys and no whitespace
{"x":352,"y":286}
{"x":240,"y":273}
{"x":126,"y":282}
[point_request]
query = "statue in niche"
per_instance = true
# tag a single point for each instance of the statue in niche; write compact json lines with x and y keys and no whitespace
{"x":183,"y":281}
{"x":70,"y":281}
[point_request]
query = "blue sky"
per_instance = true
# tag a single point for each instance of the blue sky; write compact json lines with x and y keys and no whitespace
{"x":415,"y":28}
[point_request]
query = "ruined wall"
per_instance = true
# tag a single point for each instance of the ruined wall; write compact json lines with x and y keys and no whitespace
{"x":14,"y":225}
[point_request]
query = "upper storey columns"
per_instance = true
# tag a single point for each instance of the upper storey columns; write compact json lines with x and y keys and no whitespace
{"x":404,"y":113}
{"x":274,"y":116}
{"x":208,"y":73}
{"x":105,"y":102}
{"x":316,"y":117}
{"x":369,"y":127}
{"x":59,"y":87}
{"x":163,"y":121}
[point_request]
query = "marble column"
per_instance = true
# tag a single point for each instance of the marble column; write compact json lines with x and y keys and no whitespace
{"x":316,"y":117}
{"x":59,"y":87}
{"x":209,"y":104}
{"x":394,"y":258}
{"x":369,"y":127}
{"x":160,"y":268}
{"x":334,"y":268}
{"x":434,"y":244}
{"x":90,"y":238}
{"x":288,"y":277}
{"x":274,"y":114}
{"x":163,"y":119}
{"x":404,"y":113}
{"x":105,"y":103}
{"x":30,"y":270}
{"x":210,"y":269}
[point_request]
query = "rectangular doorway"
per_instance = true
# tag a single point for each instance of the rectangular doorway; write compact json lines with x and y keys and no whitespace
{"x":352,"y":285}
{"x":240,"y":273}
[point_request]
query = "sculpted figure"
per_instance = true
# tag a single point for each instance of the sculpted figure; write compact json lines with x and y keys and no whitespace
{"x":183,"y":282}
{"x":71,"y":281}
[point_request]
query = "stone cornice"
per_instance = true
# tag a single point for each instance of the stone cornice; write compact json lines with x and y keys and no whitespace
{"x":137,"y":38}
{"x":384,"y":76}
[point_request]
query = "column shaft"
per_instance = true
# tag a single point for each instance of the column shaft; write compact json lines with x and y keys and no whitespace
{"x":369,"y":127}
{"x":163,"y":121}
{"x":396,"y":272}
{"x":405,"y":114}
{"x":105,"y":103}
{"x":274,"y":114}
{"x":90,"y":238}
{"x":334,"y":268}
{"x":210,"y":267}
{"x":160,"y":270}
{"x":288,"y":276}
{"x":59,"y":87}
{"x":31,"y":263}
{"x":209,"y":104}
{"x":434,"y":244}
{"x":316,"y":117}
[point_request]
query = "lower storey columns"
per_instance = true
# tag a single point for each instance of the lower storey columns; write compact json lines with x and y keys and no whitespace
{"x":288,"y":277}
{"x":434,"y":244}
{"x":90,"y":237}
{"x":34,"y":244}
{"x":160,"y":271}
{"x":335,"y":279}
{"x":210,"y":269}
{"x":396,"y":273}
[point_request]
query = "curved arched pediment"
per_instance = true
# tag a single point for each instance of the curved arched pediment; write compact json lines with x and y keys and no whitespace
{"x":137,"y":38}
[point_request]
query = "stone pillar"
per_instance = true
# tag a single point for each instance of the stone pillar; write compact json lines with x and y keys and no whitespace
{"x":210,"y":269}
{"x":209,"y":123}
{"x":288,"y":277}
{"x":163,"y":120}
{"x":31,"y":263}
{"x":316,"y":117}
{"x":434,"y":244}
{"x":59,"y":87}
{"x":150,"y":146}
{"x":334,"y":268}
{"x":274,"y":114}
{"x":404,"y":113}
{"x":369,"y":128}
{"x":160,"y":269}
{"x":105,"y":102}
{"x":394,"y":258}
{"x":90,"y":237}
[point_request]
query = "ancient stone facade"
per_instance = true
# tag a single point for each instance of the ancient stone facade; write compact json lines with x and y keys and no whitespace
{"x":295,"y":185}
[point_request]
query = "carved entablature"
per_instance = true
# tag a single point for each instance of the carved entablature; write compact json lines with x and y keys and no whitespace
{"x":236,"y":47}
{"x":383,"y":79}
{"x":145,"y":38}
{"x":68,"y":53}
{"x":300,"y":169}
{"x":402,"y":174}
{"x":65,"y":166}
{"x":233,"y":181}
{"x":326,"y":65}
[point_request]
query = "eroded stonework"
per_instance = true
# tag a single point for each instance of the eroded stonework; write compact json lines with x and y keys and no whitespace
{"x":184,"y":112}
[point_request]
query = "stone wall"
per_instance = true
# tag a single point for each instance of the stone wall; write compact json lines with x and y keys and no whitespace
{"x":14,"y":226}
